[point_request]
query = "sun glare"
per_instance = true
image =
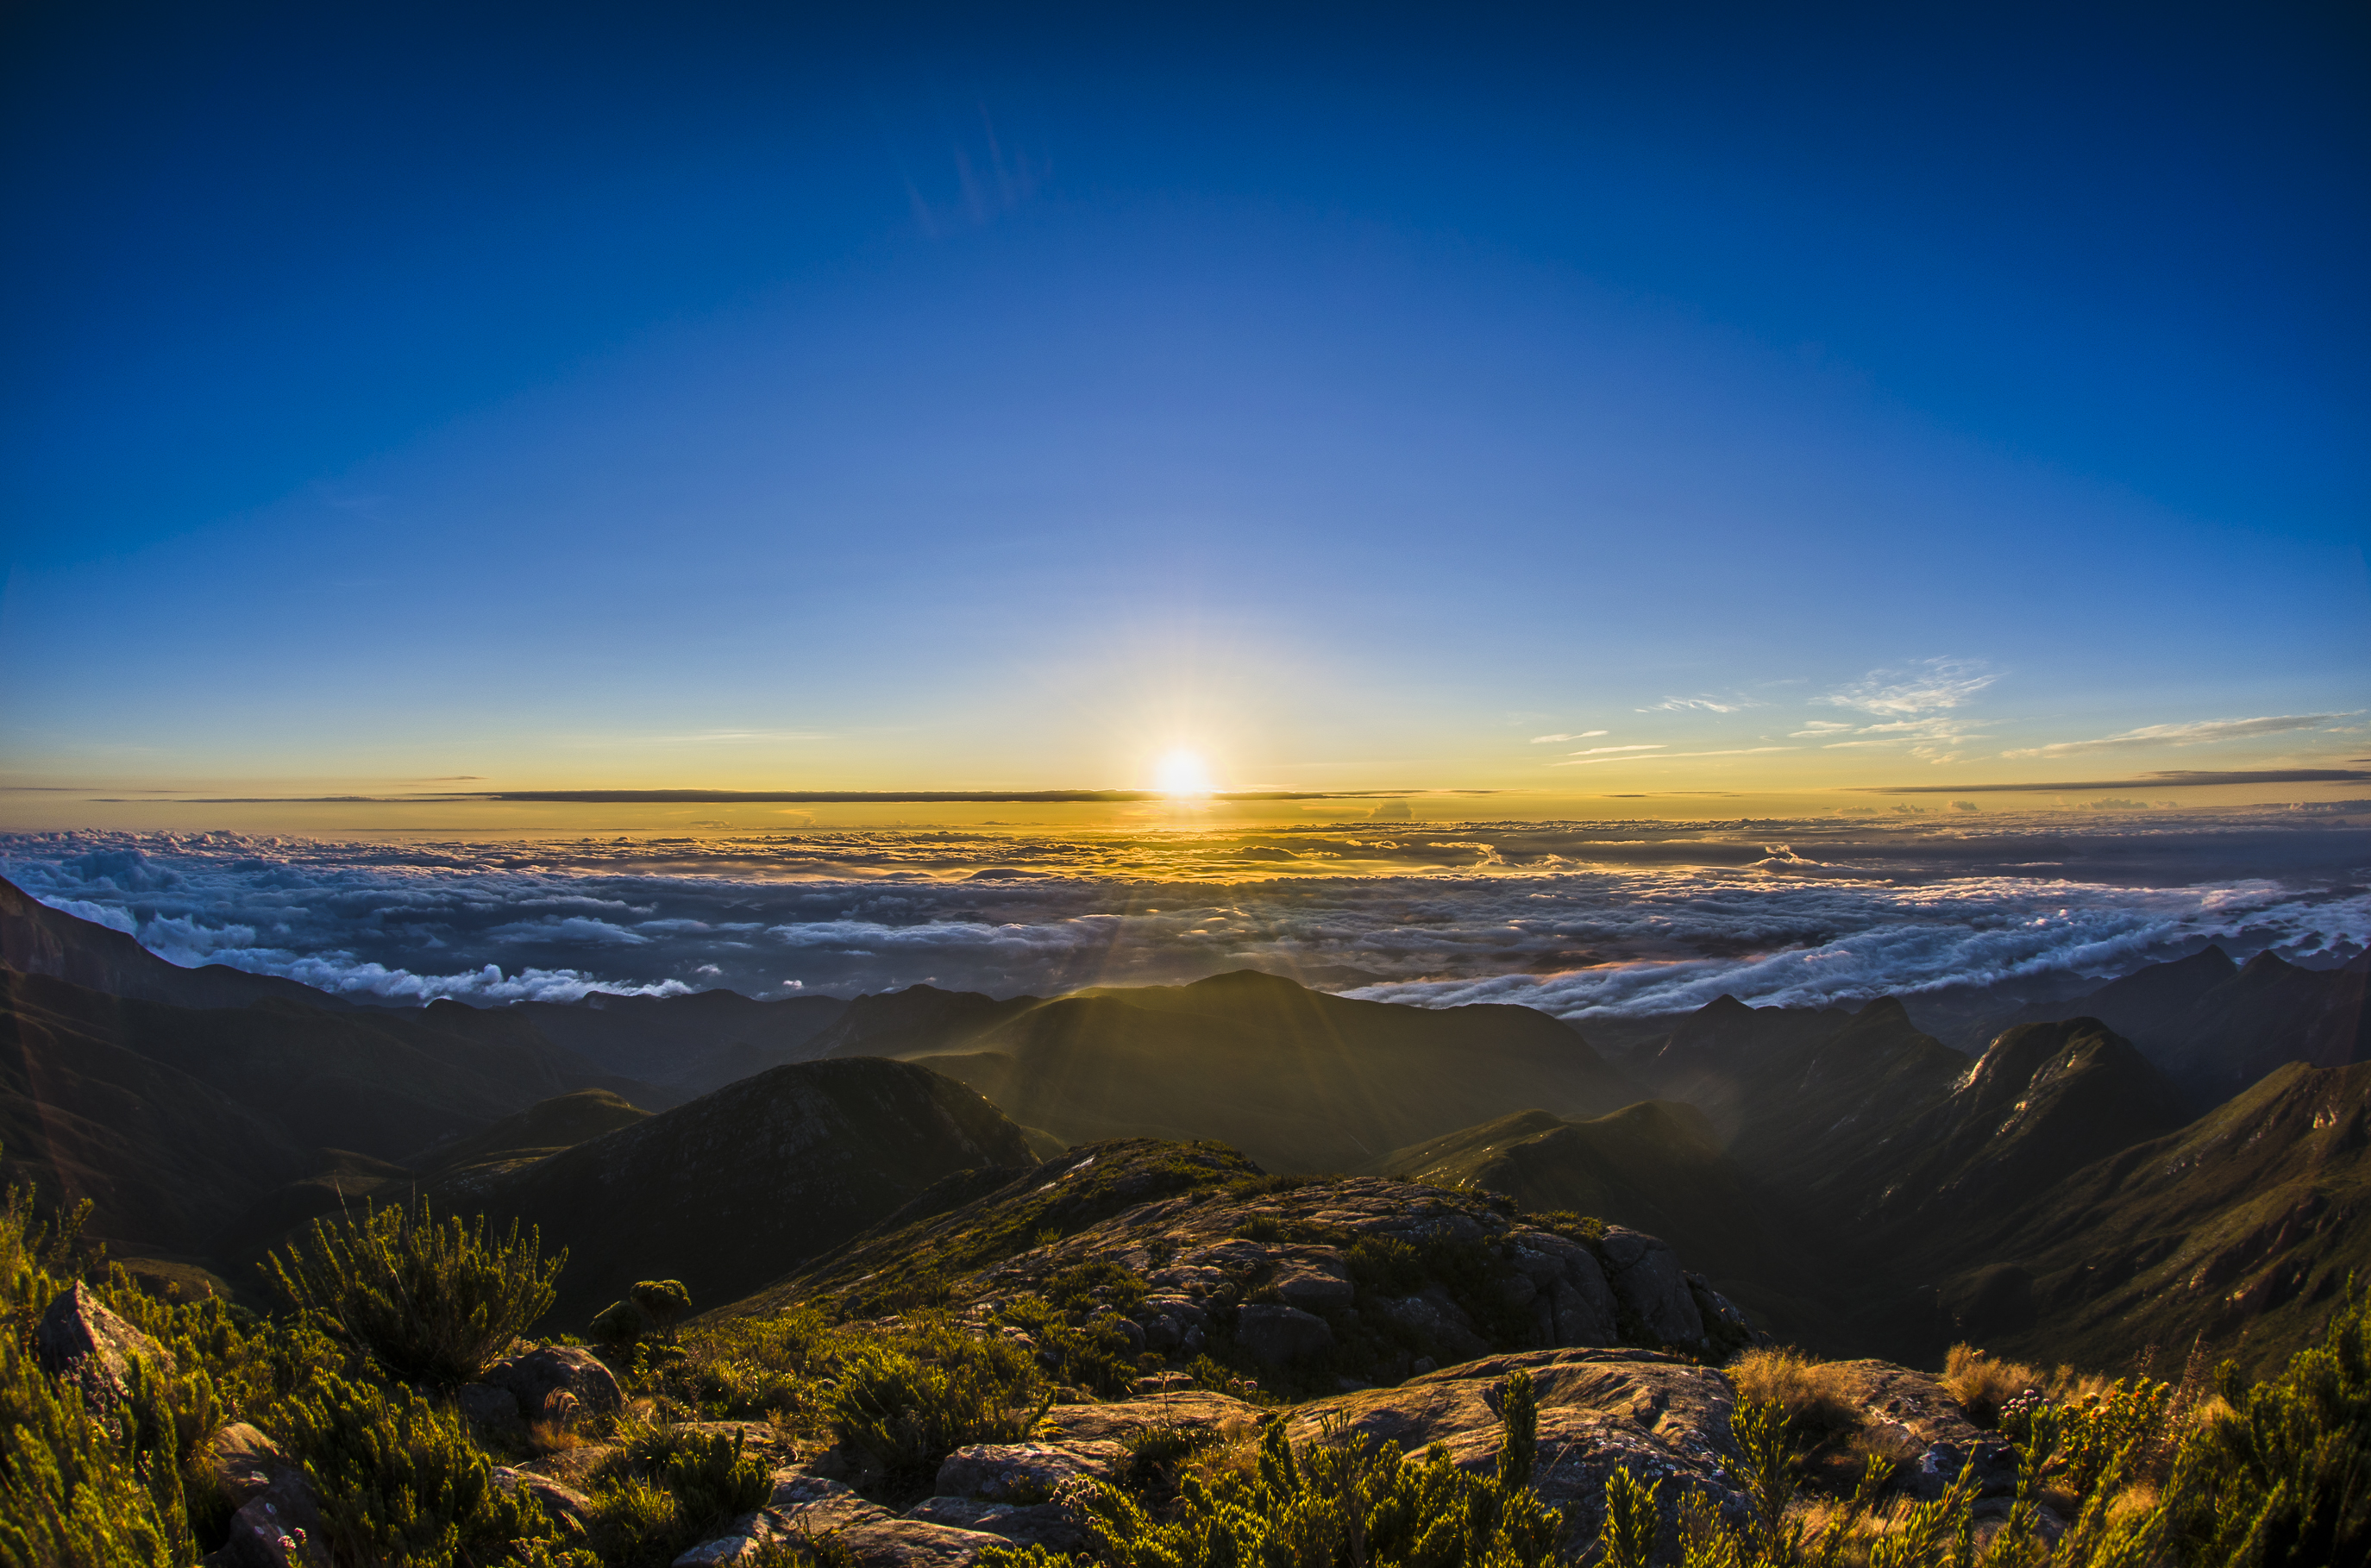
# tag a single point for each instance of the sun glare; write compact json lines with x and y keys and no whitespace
{"x":1182,"y":773}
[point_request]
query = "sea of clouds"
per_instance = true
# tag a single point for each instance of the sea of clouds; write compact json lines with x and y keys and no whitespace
{"x":1579,"y":918}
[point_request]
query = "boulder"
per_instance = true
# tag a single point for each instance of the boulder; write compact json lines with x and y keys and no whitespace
{"x":1035,"y":1523}
{"x":1279,"y":1335}
{"x":83,"y":1344}
{"x":1648,"y":1283}
{"x":273,"y":1528}
{"x":1312,"y":1278}
{"x":494,"y":1414}
{"x":534,"y":1376}
{"x":1435,"y":1321}
{"x":243,"y":1461}
{"x":1025,"y":1472}
{"x":573,"y":1508}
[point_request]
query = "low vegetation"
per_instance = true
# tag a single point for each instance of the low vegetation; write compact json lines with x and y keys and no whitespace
{"x":383,"y":1313}
{"x":425,"y":1301}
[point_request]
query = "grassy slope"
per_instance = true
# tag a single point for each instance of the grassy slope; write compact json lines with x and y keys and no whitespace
{"x":1655,"y":1165}
{"x":2240,"y":1226}
{"x":1297,"y":1080}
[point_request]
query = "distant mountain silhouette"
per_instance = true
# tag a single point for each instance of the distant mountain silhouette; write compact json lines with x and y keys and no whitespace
{"x":689,"y":1044}
{"x":1298,"y":1080}
{"x":739,"y":1187}
{"x":38,"y":939}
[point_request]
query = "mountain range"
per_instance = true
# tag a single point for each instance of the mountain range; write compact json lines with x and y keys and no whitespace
{"x":2076,"y":1187}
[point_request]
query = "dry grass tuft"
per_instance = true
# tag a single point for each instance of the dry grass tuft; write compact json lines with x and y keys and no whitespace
{"x":1810,"y":1392}
{"x":1979,"y":1385}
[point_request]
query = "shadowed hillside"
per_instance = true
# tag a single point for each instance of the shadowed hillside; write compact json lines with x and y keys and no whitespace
{"x":1298,"y":1080}
{"x":1655,"y":1165}
{"x":173,"y":1119}
{"x":693,"y":1043}
{"x":743,"y":1185}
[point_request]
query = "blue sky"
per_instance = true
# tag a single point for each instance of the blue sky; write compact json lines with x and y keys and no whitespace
{"x":751,"y":397}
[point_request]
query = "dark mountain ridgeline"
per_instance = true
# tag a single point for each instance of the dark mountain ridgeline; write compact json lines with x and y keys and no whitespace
{"x":740,"y":1186}
{"x":1298,"y":1080}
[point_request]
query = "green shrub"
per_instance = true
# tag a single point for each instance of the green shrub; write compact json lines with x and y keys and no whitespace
{"x":427,"y":1301}
{"x":911,"y":1401}
{"x":398,"y":1479}
{"x":712,"y":1482}
{"x":1333,"y":1504}
{"x":74,"y":1493}
{"x":70,"y":1496}
{"x":621,"y":1325}
{"x":662,"y":1300}
{"x":1384,"y":1266}
{"x":2285,"y":1476}
{"x":1094,"y":1355}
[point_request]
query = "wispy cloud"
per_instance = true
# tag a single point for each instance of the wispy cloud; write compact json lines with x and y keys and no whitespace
{"x":1584,"y":760}
{"x":2203,"y":732}
{"x":1818,"y":727}
{"x":1654,"y":746}
{"x":1700,"y":705}
{"x":1582,"y":736}
{"x":1925,"y":686}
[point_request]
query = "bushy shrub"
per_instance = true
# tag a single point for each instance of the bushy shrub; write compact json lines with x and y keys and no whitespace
{"x":75,"y":1491}
{"x":911,"y":1401}
{"x":713,"y":1481}
{"x":662,"y":1300}
{"x":398,"y":1479}
{"x":70,"y":1496}
{"x":621,"y":1325}
{"x":2284,"y":1476}
{"x":428,"y":1301}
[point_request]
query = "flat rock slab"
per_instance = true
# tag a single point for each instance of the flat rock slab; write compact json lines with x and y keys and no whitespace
{"x":1037,"y":1524}
{"x":1181,"y":1407}
{"x":1913,"y":1407}
{"x":1600,"y":1411}
{"x":1026,"y":1472}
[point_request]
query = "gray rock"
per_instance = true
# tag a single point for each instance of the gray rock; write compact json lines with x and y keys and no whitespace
{"x":1436,"y":1320}
{"x":243,"y":1461}
{"x":1647,"y":1280}
{"x":573,"y":1508}
{"x":1313,"y":1279}
{"x":494,"y":1412}
{"x":1037,"y":1524}
{"x":272,"y":1528}
{"x":1018,"y":1473}
{"x":1582,"y":1307}
{"x":83,"y":1344}
{"x":534,"y":1376}
{"x":1280,"y":1334}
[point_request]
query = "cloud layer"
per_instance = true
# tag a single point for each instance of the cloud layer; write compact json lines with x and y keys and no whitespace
{"x":1580,"y":918}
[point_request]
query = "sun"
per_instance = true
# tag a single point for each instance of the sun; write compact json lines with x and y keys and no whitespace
{"x":1182,"y":773}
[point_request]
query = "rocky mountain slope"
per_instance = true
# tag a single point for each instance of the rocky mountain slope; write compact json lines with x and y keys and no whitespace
{"x":1298,"y":1080}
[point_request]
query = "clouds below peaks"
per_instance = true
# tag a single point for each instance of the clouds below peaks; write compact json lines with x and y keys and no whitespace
{"x":1576,"y":918}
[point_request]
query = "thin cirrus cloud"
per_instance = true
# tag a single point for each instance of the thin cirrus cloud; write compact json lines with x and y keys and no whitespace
{"x":1698,"y":704}
{"x":1582,"y":736}
{"x":1926,"y":685}
{"x":1668,"y":755}
{"x":2204,"y":731}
